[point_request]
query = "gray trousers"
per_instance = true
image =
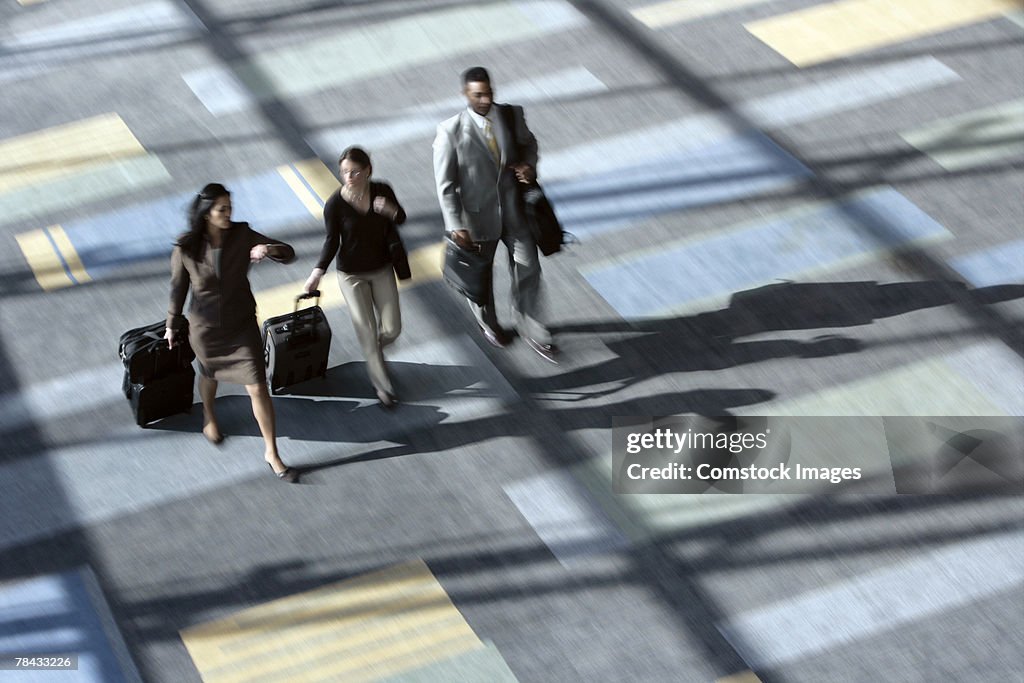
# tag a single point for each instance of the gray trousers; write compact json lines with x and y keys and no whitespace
{"x":524,"y":268}
{"x":372,"y":300}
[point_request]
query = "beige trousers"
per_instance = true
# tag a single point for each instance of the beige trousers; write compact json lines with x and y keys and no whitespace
{"x":372,"y":300}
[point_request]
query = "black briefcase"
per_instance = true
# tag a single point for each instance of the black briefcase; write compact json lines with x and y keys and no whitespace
{"x":296,"y":344}
{"x":468,"y":272}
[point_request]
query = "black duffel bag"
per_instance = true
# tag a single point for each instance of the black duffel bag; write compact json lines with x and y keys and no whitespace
{"x":541,"y":220}
{"x":146,"y":356}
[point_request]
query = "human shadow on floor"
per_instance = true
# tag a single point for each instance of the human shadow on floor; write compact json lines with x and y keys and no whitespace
{"x":549,"y":425}
{"x":314,"y":412}
{"x":708,"y":341}
{"x":342,"y":407}
{"x":413,"y":382}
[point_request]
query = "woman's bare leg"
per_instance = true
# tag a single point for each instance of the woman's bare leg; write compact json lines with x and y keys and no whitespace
{"x":208,"y":394}
{"x":263,"y":409}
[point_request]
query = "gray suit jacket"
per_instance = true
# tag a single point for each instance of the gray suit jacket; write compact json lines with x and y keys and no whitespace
{"x":475,"y":194}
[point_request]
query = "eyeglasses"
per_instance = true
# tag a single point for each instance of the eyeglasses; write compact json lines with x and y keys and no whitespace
{"x":352,"y":174}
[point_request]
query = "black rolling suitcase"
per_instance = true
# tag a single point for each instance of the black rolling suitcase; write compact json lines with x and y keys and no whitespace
{"x":158,"y":382}
{"x":296,"y":344}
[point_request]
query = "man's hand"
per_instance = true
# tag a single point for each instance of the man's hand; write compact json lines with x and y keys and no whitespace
{"x":169,"y":336}
{"x":524,"y":173}
{"x":462,"y":238}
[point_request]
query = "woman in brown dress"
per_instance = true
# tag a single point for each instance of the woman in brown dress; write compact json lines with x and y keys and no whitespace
{"x":213,"y":257}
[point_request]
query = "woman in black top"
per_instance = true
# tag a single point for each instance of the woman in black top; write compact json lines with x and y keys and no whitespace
{"x":361,"y":218}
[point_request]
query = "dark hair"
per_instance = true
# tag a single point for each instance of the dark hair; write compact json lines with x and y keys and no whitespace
{"x":192,"y":242}
{"x":475,"y":74}
{"x":356,"y":155}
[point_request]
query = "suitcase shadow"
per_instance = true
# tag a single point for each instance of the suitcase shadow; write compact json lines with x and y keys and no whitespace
{"x":413,"y":382}
{"x":342,"y":408}
{"x":329,"y":420}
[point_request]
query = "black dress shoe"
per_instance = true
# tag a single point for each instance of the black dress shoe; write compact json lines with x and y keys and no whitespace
{"x":498,"y":340}
{"x":548,"y":352}
{"x":290,"y":474}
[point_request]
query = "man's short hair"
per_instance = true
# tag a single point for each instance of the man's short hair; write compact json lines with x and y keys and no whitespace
{"x":475,"y":74}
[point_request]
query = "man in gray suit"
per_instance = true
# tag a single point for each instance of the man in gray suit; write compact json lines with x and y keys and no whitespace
{"x":478,"y":162}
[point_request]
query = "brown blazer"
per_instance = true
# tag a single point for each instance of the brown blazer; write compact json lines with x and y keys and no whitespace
{"x":225,"y":301}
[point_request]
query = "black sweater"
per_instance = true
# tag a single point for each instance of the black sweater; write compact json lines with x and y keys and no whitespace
{"x":362,"y":242}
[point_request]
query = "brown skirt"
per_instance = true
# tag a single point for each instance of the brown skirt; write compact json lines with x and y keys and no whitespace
{"x":230,"y":354}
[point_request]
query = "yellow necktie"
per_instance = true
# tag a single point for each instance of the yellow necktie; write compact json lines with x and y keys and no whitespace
{"x":492,"y":144}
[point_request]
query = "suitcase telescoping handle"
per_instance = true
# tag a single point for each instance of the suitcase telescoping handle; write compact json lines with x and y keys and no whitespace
{"x":315,"y":294}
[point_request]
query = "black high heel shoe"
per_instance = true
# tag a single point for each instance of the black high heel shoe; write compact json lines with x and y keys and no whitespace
{"x":289,"y":474}
{"x":387,"y":401}
{"x":216,"y":442}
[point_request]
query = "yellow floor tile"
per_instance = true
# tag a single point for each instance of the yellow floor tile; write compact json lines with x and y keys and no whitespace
{"x":64,"y":150}
{"x":839,"y":29}
{"x":361,"y":629}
